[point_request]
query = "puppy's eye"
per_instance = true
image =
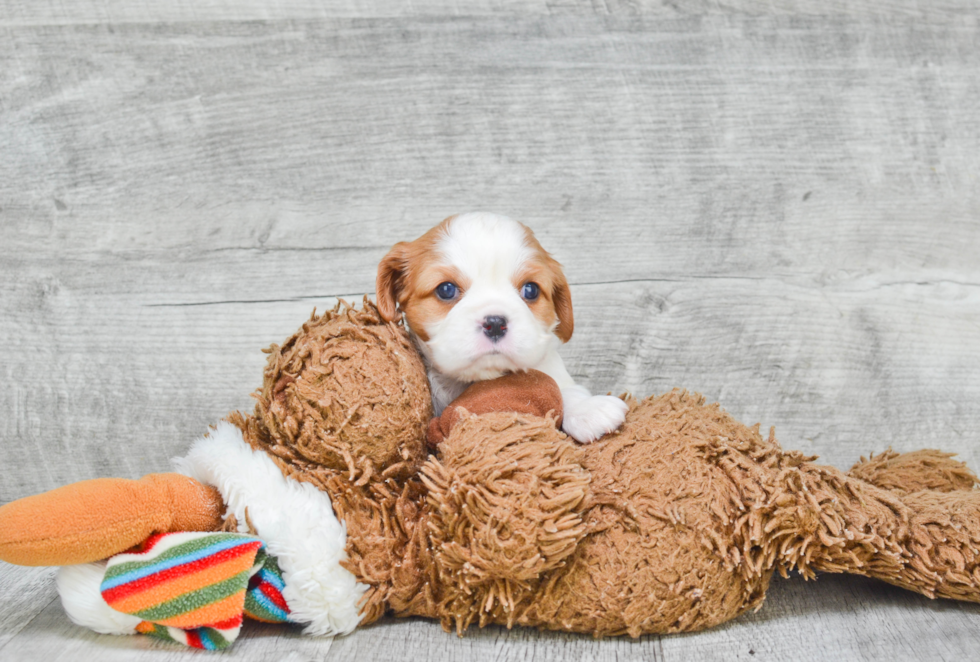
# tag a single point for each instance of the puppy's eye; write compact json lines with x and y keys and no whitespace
{"x":530,"y":291}
{"x":447,"y":291}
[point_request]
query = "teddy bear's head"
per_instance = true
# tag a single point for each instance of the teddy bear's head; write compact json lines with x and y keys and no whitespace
{"x":348,"y":392}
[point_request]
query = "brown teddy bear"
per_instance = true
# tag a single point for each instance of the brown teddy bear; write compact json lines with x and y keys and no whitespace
{"x":675,"y":522}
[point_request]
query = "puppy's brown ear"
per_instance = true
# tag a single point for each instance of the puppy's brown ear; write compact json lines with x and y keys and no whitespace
{"x":391,"y":274}
{"x":561,"y":296}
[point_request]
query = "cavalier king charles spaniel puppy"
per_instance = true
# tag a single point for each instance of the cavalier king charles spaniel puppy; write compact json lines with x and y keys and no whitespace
{"x":481,"y":299}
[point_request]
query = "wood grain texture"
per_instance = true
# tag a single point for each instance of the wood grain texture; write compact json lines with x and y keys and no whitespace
{"x":26,"y":591}
{"x":775,"y":204}
{"x":787,"y":210}
{"x":837,"y":618}
{"x":58,"y":12}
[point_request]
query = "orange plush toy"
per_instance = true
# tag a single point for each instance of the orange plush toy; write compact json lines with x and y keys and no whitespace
{"x":675,"y":522}
{"x":95,"y":519}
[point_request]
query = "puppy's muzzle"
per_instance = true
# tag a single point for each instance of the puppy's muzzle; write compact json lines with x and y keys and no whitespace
{"x":494,"y":327}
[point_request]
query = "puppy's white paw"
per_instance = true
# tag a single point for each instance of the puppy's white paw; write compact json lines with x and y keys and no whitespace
{"x":589,"y":418}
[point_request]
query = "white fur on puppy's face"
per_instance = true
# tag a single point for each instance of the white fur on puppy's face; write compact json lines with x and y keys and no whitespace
{"x":491,"y":254}
{"x":489,"y":258}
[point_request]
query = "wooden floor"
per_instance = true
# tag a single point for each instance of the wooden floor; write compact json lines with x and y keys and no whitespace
{"x":776,"y":204}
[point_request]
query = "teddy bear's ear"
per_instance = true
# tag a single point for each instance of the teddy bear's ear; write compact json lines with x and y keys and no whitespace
{"x":390,"y":280}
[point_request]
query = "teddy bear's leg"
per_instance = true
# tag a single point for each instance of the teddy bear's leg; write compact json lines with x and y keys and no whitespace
{"x":905,"y":473}
{"x":94,"y":519}
{"x":942,"y":548}
{"x":823,"y":520}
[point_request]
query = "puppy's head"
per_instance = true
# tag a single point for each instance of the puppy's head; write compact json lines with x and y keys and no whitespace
{"x":480,"y":294}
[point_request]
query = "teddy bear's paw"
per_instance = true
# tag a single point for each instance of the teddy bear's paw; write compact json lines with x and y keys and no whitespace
{"x":590,"y":418}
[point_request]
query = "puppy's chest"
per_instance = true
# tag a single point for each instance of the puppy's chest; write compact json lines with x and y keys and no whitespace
{"x":444,"y":390}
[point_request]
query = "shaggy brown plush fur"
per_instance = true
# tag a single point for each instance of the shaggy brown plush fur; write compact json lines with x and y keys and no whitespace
{"x":507,"y":500}
{"x":675,"y":522}
{"x":911,"y":472}
{"x":347,"y":391}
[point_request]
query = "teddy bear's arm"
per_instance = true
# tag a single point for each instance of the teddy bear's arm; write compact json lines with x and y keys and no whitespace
{"x":506,"y":502}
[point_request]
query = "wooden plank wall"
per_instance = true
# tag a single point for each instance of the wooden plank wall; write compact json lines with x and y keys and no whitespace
{"x":775,"y":204}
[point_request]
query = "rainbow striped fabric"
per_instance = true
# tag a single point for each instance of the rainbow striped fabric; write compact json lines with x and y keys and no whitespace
{"x":195,"y":588}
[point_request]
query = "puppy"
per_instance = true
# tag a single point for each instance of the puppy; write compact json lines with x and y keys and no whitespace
{"x":482,"y":298}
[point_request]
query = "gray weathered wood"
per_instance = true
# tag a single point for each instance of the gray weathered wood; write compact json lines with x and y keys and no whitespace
{"x":26,"y":591}
{"x":838,"y":618}
{"x":53,"y":12}
{"x":786,"y":194}
{"x":776,"y":204}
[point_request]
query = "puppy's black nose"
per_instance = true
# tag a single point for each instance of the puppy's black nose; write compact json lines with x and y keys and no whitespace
{"x":494,"y":326}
